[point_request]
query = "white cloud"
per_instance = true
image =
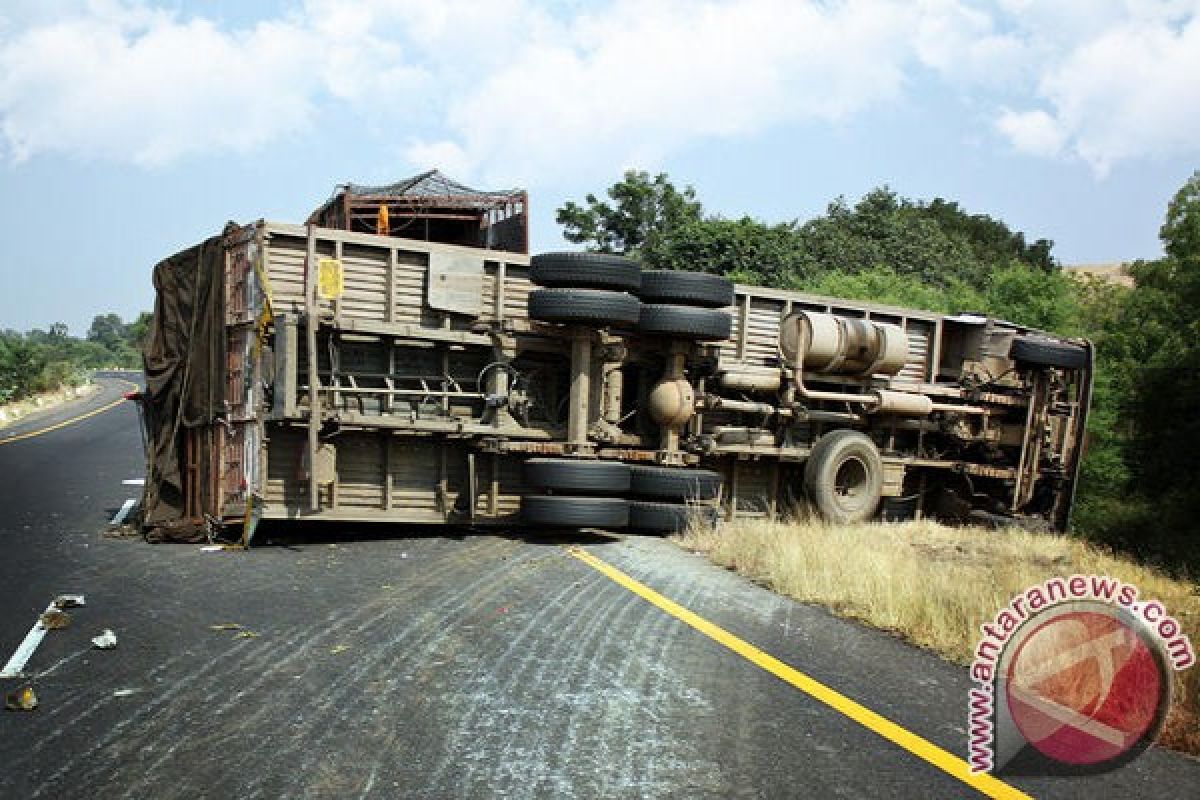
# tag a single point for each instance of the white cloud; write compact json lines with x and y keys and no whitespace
{"x":148,"y":87}
{"x":1033,"y":132}
{"x":1131,"y":92}
{"x":642,"y":78}
{"x":1121,"y":83}
{"x":511,"y":90}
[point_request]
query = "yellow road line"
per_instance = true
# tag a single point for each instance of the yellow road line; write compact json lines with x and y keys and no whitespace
{"x":952,"y":765}
{"x":70,"y":421}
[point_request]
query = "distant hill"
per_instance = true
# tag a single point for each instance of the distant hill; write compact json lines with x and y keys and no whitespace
{"x":1117,"y":273}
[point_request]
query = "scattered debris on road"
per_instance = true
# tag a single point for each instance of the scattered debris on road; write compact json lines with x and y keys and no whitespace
{"x":340,"y":648}
{"x":125,"y":692}
{"x":105,"y":641}
{"x":23,"y":699}
{"x":54,"y":619}
{"x":242,"y":631}
{"x":126,"y":530}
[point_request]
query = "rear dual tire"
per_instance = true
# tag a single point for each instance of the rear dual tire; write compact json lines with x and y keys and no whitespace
{"x":576,"y":476}
{"x":684,"y":322}
{"x":664,"y":518}
{"x":674,"y":483}
{"x":585,"y":271}
{"x":594,"y":307}
{"x":558,"y":511}
{"x":686,"y":288}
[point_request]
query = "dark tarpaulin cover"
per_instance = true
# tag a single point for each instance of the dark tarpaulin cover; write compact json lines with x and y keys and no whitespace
{"x":184,"y":358}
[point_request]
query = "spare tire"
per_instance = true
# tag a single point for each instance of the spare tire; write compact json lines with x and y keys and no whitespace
{"x":584,"y":307}
{"x":667,"y":517}
{"x":686,"y":288}
{"x":576,"y":476}
{"x":557,"y":511}
{"x":1045,"y":352}
{"x":844,"y":476}
{"x":585,"y":270}
{"x":685,"y":322}
{"x":674,"y":483}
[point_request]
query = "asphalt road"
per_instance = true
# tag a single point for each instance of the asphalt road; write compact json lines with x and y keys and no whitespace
{"x":436,"y":666}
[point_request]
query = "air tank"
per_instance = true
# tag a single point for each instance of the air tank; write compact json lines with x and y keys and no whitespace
{"x":842,"y":345}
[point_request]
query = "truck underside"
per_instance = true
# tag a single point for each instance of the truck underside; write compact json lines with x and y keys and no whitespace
{"x":368,"y":377}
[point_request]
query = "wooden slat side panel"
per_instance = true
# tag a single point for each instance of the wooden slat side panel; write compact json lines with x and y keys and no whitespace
{"x":360,"y":470}
{"x":415,"y":474}
{"x":285,"y":268}
{"x":762,"y":326}
{"x":920,"y":336}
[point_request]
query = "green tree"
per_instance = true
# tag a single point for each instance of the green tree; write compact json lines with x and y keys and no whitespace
{"x":991,"y":240}
{"x":108,"y":330}
{"x":745,"y":249}
{"x":135,"y":332}
{"x":639,"y":213}
{"x":1033,"y":297}
{"x":1166,"y":396}
{"x":885,"y":285}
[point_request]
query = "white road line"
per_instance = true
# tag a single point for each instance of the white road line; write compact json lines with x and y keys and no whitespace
{"x":124,"y":512}
{"x":32,"y":639}
{"x":134,"y":482}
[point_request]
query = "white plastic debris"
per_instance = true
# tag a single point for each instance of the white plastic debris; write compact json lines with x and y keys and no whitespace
{"x":105,"y":641}
{"x":124,"y":692}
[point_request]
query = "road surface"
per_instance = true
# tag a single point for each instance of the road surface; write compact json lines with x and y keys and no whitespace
{"x":437,"y":666}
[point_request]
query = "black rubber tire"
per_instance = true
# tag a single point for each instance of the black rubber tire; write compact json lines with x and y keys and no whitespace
{"x":685,"y":322}
{"x":674,"y":483}
{"x":667,"y":517}
{"x":559,"y":511}
{"x":686,"y":288}
{"x":576,"y":476}
{"x":844,"y":497}
{"x":584,"y":307}
{"x":1047,"y":352}
{"x":586,"y":271}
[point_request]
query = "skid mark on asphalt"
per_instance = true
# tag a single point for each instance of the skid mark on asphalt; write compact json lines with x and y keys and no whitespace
{"x":526,"y":705}
{"x":325,"y":704}
{"x":480,"y":713}
{"x":306,"y":649}
{"x":115,"y":733}
{"x":433,"y":627}
{"x":922,"y":748}
{"x":180,"y":703}
{"x":579,"y":714}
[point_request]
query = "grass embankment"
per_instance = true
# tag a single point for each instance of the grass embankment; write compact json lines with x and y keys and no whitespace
{"x":43,"y":401}
{"x":935,"y":585}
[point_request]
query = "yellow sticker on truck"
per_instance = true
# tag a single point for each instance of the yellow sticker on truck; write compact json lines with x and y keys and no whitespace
{"x":331,"y":282}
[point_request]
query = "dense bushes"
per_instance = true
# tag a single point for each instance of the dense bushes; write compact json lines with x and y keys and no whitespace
{"x":44,"y":360}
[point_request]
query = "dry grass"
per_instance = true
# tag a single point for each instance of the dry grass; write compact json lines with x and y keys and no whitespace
{"x":16,"y":411}
{"x":935,"y":585}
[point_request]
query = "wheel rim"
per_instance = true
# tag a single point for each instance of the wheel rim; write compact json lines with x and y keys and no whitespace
{"x":851,"y":483}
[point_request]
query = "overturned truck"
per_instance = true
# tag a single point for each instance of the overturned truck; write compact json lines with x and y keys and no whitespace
{"x":310,"y":373}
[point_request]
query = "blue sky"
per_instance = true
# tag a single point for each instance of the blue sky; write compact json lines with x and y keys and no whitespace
{"x":129,"y":130}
